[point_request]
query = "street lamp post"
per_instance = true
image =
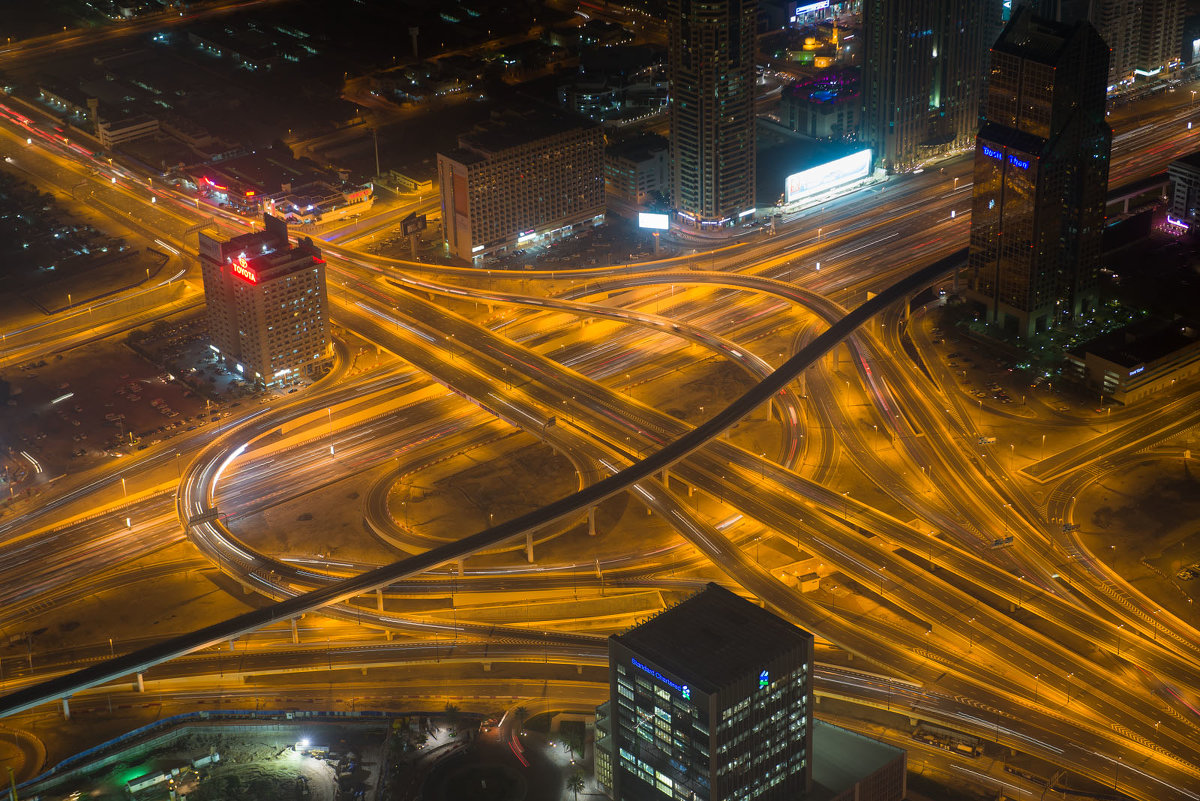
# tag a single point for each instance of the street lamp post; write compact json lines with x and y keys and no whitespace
{"x":1119,"y":627}
{"x":1037,"y":677}
{"x":1069,"y":675}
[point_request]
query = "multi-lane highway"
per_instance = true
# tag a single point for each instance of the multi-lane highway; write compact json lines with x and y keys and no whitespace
{"x":1025,"y":646}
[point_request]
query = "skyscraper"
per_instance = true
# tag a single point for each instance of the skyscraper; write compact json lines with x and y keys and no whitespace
{"x":1119,"y":24}
{"x":1041,"y":175}
{"x":1143,"y":35}
{"x":710,"y":66}
{"x":923,"y":65}
{"x":1161,"y":33}
{"x":268,"y":315}
{"x":712,"y":699}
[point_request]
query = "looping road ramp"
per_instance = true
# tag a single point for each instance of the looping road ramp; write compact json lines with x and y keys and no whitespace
{"x":144,"y":658}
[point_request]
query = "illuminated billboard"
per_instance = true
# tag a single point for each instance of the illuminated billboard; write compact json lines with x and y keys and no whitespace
{"x":242,"y":268}
{"x":658,"y":222}
{"x":854,"y":167}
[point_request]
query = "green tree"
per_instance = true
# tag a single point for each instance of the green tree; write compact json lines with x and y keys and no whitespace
{"x":575,"y":783}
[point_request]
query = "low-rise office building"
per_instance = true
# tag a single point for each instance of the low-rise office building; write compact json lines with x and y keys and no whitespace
{"x":1138,"y":362}
{"x":637,"y":170}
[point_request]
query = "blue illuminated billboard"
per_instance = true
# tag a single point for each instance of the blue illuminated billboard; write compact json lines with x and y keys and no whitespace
{"x":809,"y":182}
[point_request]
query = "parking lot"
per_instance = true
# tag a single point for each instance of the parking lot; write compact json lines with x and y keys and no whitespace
{"x":104,"y":400}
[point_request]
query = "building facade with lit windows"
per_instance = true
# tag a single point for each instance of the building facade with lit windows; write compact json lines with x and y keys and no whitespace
{"x":1040,"y":176}
{"x":519,"y":180}
{"x":268,"y":312}
{"x":712,"y":699}
{"x":923,"y":65}
{"x":711,"y":73}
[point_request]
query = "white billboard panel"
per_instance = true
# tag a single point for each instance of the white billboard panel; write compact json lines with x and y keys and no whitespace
{"x":854,"y":167}
{"x":658,"y":222}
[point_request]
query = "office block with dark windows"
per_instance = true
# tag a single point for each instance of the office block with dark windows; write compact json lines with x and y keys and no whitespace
{"x":1041,"y":176}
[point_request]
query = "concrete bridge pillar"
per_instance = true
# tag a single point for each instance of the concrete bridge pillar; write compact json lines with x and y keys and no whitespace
{"x":379,"y":600}
{"x":487,"y":667}
{"x":592,"y":521}
{"x":529,"y":546}
{"x":141,"y":683}
{"x":295,"y":632}
{"x":66,"y":709}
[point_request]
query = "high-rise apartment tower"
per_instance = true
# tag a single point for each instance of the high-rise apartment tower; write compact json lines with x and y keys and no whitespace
{"x":710,"y":65}
{"x":923,"y":66}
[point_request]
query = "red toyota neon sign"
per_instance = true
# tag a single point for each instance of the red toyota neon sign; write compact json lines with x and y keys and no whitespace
{"x":242,"y":268}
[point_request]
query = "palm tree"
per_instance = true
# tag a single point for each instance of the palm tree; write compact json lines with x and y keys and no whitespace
{"x":575,"y":783}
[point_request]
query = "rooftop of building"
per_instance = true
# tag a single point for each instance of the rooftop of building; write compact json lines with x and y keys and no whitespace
{"x":638,"y":148}
{"x":783,"y":152}
{"x":512,"y":128}
{"x":263,"y":172}
{"x":274,"y":235}
{"x":1191,"y":162}
{"x":713,"y":638}
{"x":624,"y":60}
{"x":1140,"y":343}
{"x":829,"y":86}
{"x":842,"y":758}
{"x":1036,"y":38}
{"x":282,"y":261}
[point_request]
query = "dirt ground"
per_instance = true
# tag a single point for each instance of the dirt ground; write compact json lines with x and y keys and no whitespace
{"x":1144,"y":523}
{"x":255,"y":764}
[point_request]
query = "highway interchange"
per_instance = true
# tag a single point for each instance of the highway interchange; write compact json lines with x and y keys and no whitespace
{"x":1037,"y":647}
